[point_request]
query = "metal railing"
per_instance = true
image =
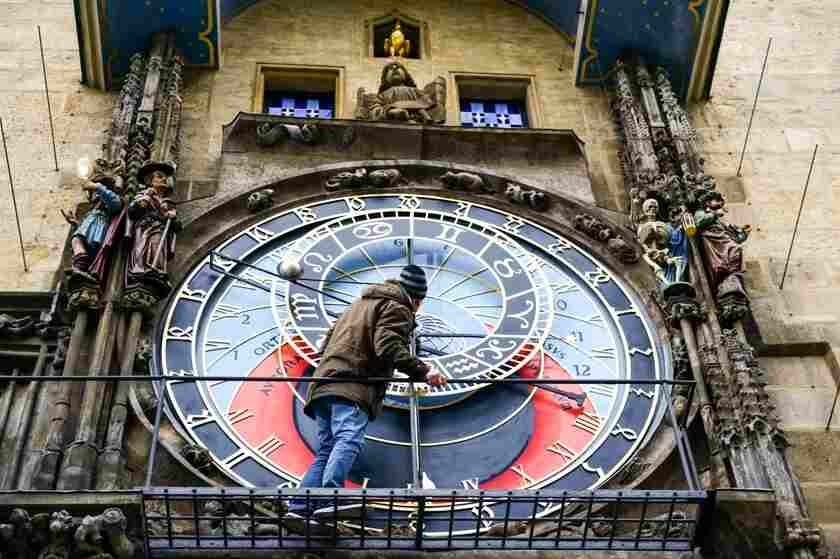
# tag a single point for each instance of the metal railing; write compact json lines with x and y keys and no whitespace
{"x":190,"y":518}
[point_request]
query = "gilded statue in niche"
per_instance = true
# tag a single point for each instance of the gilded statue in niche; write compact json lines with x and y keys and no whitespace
{"x":397,"y":44}
{"x":400,"y":100}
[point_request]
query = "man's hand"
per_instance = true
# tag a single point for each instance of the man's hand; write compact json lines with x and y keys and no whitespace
{"x":434,"y":378}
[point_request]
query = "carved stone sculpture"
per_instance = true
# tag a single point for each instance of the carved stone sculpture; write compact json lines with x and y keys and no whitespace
{"x":532,"y":198}
{"x":469,"y":182}
{"x":723,"y":254}
{"x":260,"y":200}
{"x":347,"y":180}
{"x":198,"y":456}
{"x":153,"y":229}
{"x":59,"y":530}
{"x":269,"y":133}
{"x":385,"y":178}
{"x":15,"y":534}
{"x":665,"y":245}
{"x":90,"y":233}
{"x":602,"y":232}
{"x":399,"y":99}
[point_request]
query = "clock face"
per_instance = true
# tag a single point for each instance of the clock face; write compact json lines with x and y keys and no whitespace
{"x":507,"y":299}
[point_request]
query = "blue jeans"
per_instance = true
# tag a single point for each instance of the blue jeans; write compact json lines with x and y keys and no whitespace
{"x":341,"y":438}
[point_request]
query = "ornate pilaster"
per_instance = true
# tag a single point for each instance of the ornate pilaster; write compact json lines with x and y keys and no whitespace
{"x":680,"y":220}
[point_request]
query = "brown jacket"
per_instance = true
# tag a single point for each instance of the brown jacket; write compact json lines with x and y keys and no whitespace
{"x":370,"y":339}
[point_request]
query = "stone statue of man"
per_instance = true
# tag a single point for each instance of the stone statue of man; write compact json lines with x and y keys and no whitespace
{"x":106,"y":202}
{"x":150,"y":212}
{"x":399,"y":99}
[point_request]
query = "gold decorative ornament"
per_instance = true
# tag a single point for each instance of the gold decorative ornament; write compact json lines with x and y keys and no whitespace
{"x":397,"y":45}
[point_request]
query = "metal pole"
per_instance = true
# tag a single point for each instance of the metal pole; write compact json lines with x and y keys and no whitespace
{"x":47,"y":90}
{"x":14,"y":199}
{"x":755,"y":104}
{"x":798,"y":215}
{"x":414,"y":412}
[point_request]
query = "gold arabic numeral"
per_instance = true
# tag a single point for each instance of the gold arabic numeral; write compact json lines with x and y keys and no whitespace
{"x":177,"y":333}
{"x":559,"y":247}
{"x":237,"y":416}
{"x":557,"y":447}
{"x":356,"y":204}
{"x":293,"y":484}
{"x":463,"y":209}
{"x":597,"y":277}
{"x":520,"y":471}
{"x":260,"y":234}
{"x":305,"y":214}
{"x":597,"y":470}
{"x":626,"y":432}
{"x":513,"y":224}
{"x":196,"y":295}
{"x":409,"y":202}
{"x":589,"y":422}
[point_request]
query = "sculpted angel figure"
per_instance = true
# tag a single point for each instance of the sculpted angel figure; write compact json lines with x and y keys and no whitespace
{"x":399,"y":98}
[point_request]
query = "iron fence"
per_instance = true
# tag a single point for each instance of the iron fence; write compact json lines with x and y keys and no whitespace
{"x":442,"y":520}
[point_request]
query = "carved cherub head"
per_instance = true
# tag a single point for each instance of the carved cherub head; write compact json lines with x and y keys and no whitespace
{"x":394,"y":74}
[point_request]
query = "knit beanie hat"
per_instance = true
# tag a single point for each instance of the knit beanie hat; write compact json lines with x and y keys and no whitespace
{"x":413,"y":280}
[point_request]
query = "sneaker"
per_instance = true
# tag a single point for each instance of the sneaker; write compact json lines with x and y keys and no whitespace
{"x":299,"y":524}
{"x":353,"y":511}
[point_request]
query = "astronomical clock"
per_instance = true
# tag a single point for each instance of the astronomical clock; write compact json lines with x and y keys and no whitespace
{"x":509,"y":298}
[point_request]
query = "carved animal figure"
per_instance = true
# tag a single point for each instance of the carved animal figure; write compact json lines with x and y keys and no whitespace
{"x":465,"y":181}
{"x":260,"y":200}
{"x":532,"y":198}
{"x":347,"y":179}
{"x":384,"y":178}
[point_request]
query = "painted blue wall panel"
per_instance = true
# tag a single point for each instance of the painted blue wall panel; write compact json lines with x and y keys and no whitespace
{"x":664,"y":32}
{"x":129,"y":26}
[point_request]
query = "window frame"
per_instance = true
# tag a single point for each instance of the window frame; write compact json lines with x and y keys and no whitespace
{"x":321,"y":79}
{"x":495,"y":87}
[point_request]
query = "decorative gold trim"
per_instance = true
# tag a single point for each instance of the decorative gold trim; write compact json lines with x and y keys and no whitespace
{"x":693,"y":7}
{"x":204,"y":36}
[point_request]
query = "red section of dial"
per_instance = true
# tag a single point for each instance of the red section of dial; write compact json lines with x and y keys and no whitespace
{"x":554,"y":422}
{"x":272,"y":405}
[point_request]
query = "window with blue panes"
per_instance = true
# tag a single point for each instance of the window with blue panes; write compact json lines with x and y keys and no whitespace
{"x":300,"y":104}
{"x":484,"y":113}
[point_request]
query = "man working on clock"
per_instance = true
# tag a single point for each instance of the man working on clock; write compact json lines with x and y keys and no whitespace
{"x":370,"y":339}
